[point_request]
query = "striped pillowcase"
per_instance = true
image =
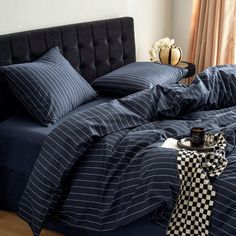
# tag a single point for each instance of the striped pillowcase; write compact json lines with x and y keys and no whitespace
{"x":49,"y":87}
{"x":138,"y":76}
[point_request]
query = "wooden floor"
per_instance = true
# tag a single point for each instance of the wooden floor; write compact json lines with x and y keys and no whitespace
{"x":12,"y":225}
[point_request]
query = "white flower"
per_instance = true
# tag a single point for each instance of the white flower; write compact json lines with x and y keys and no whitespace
{"x":162,"y":43}
{"x":153,"y":54}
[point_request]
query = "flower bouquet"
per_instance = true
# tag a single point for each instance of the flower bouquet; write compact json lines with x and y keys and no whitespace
{"x":165,"y":52}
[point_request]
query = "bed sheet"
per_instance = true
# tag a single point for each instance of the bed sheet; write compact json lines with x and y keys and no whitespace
{"x":20,"y":142}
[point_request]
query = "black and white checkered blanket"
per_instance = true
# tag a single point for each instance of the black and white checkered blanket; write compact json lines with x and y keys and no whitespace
{"x":193,"y":208}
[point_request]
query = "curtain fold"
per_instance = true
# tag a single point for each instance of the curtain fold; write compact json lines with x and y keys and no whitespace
{"x":213,"y":33}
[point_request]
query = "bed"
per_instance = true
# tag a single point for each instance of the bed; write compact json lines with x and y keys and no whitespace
{"x":99,"y":168}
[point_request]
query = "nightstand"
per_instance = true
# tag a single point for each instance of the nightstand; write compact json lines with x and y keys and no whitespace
{"x":189,"y":66}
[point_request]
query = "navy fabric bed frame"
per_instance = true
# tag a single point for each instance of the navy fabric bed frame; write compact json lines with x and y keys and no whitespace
{"x":93,"y":49}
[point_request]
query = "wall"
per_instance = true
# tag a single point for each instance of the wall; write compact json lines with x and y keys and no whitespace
{"x":181,"y":19}
{"x":152,"y":22}
{"x":31,"y":14}
{"x":152,"y":17}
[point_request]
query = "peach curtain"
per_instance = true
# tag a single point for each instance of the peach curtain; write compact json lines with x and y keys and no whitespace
{"x":213,"y":33}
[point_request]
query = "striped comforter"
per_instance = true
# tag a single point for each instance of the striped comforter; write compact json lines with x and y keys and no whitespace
{"x":105,"y":167}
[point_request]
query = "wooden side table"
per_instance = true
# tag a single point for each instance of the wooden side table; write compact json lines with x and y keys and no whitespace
{"x":189,"y":66}
{"x":191,"y":71}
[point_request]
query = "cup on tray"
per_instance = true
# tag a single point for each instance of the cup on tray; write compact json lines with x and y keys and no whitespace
{"x":197,"y":136}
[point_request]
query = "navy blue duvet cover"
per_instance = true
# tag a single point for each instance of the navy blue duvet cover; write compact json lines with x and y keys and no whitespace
{"x":104,"y":168}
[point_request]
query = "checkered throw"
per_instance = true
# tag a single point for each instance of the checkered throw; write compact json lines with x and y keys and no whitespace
{"x":196,"y":198}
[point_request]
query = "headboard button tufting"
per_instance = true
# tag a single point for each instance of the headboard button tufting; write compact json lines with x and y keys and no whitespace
{"x":93,"y":48}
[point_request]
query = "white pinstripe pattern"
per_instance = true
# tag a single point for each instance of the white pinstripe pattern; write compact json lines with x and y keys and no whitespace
{"x":124,"y":174}
{"x":49,"y":87}
{"x":138,"y":76}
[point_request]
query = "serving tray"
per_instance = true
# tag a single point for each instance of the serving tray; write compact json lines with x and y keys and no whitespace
{"x":186,"y":143}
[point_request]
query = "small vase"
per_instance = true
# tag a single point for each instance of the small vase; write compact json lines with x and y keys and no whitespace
{"x":171,"y":56}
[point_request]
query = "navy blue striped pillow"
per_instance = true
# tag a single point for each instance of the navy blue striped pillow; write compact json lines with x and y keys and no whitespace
{"x":138,"y":76}
{"x":49,"y":87}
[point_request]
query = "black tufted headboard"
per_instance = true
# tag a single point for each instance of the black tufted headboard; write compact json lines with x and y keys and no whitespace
{"x":92,"y":48}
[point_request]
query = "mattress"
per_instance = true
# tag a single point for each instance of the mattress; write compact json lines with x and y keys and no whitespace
{"x":20,"y":141}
